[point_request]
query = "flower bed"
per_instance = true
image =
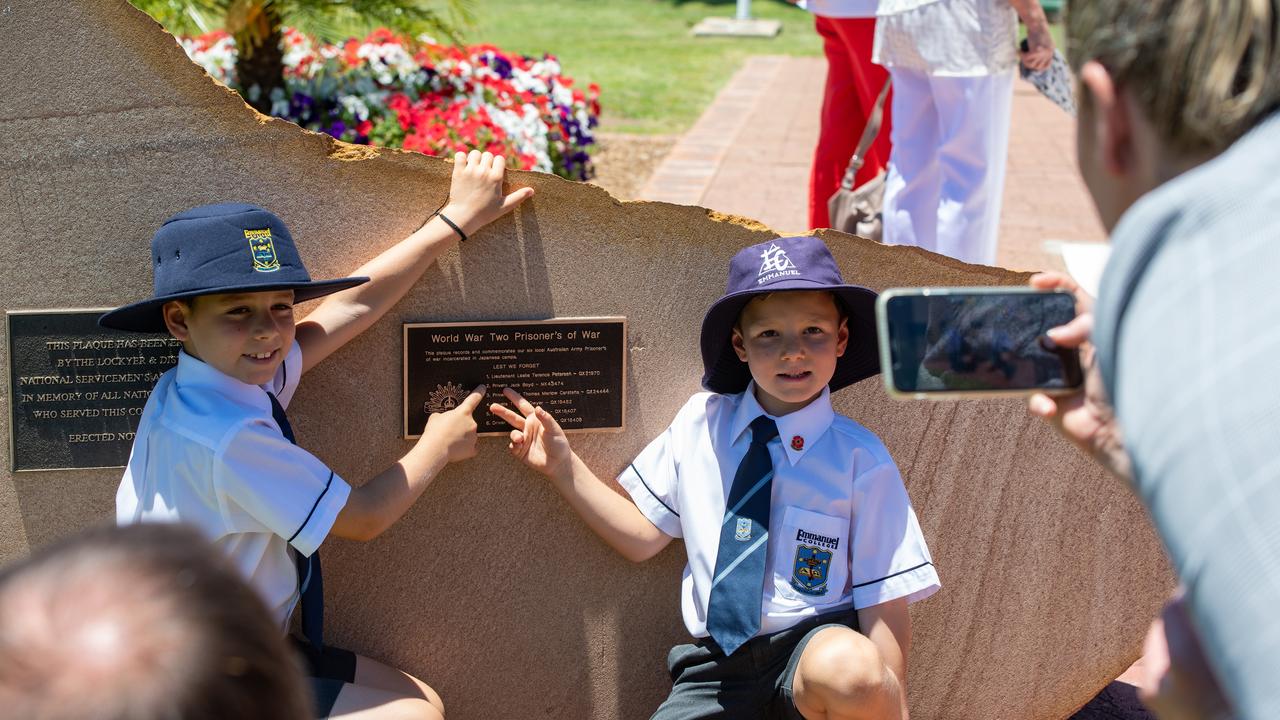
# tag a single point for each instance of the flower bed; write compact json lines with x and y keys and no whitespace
{"x":435,"y":99}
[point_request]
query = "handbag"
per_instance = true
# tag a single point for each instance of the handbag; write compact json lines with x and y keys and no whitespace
{"x":860,"y":210}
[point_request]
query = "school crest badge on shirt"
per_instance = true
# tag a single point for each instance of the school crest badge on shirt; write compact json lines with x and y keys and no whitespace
{"x":263,"y":250}
{"x":809,"y":573}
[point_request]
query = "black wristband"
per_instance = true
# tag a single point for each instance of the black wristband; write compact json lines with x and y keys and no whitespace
{"x":453,"y":225}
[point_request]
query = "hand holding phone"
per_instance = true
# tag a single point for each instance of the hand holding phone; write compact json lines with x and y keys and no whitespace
{"x":1084,"y":417}
{"x":975,"y":342}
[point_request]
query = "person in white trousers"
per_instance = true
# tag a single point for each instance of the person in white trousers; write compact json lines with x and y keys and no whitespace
{"x":952,"y":64}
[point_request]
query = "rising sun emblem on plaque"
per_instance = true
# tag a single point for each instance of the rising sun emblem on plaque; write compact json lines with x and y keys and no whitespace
{"x":445,"y":398}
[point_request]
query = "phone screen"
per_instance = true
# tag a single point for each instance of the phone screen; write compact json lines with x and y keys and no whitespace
{"x":976,"y":342}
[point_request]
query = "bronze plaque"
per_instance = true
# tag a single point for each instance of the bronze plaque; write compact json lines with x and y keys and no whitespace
{"x":77,"y":390}
{"x":573,"y":368}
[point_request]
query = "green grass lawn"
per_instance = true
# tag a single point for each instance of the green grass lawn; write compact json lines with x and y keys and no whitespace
{"x":654,"y":76}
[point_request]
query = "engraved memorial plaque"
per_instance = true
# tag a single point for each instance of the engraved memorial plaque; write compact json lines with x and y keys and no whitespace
{"x":77,"y":390}
{"x":573,"y":368}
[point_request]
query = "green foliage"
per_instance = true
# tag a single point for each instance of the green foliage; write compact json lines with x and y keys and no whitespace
{"x":333,"y":21}
{"x":185,"y":17}
{"x":327,"y":20}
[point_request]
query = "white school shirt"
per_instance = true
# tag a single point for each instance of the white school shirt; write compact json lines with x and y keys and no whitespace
{"x":208,"y":453}
{"x":841,"y":8}
{"x":835,"y":489}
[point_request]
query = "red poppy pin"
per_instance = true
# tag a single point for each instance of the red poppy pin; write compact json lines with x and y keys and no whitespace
{"x":797,"y":443}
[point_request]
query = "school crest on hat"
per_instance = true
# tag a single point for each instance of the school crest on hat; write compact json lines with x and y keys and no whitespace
{"x":262,"y":249}
{"x":776,"y":264}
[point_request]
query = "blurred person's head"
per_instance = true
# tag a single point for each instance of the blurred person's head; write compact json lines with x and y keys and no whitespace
{"x":1166,"y":85}
{"x":141,"y":622}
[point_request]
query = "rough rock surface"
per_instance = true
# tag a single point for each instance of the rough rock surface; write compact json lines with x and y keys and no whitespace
{"x":490,"y":589}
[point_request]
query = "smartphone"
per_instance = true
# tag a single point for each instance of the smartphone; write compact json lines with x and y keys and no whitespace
{"x":941,"y":343}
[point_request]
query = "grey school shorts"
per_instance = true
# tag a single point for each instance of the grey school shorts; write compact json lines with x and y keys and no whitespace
{"x":754,"y":682}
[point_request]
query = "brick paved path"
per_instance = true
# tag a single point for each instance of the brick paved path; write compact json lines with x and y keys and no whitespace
{"x":750,"y":151}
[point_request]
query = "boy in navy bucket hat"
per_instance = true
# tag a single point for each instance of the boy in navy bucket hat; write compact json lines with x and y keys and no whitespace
{"x":803,"y":550}
{"x":214,"y":447}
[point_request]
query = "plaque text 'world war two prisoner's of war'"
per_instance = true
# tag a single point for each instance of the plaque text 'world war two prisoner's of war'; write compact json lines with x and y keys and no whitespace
{"x":573,"y":368}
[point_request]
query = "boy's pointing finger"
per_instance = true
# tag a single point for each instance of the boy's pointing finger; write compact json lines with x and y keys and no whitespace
{"x":472,"y":401}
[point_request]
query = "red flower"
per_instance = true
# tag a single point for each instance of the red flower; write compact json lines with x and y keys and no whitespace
{"x":382,"y":36}
{"x":349,"y":50}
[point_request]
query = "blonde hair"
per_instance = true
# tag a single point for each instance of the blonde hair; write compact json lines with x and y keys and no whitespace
{"x":1204,"y":71}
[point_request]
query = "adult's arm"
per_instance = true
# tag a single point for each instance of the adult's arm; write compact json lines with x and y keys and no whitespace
{"x":1039,"y":53}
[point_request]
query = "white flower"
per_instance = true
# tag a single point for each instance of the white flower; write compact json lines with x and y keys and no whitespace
{"x":388,"y":61}
{"x":354,"y":105}
{"x":218,"y":59}
{"x":279,"y":102}
{"x":561,"y":95}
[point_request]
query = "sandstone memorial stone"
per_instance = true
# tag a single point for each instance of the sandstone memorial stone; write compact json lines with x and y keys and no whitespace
{"x":490,"y":588}
{"x":77,"y":390}
{"x":573,"y":367}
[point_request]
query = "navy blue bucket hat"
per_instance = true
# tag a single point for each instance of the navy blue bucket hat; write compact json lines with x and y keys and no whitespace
{"x":222,"y":248}
{"x":790,"y":263}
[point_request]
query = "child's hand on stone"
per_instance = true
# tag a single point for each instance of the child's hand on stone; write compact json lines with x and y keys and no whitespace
{"x":475,"y":193}
{"x":537,"y":439}
{"x":455,"y":430}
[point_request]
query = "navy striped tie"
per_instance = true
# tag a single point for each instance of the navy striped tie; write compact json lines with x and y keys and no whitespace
{"x":310,"y":582}
{"x":733,"y":612}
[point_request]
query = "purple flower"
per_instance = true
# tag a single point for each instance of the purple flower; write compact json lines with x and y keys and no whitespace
{"x":499,"y":65}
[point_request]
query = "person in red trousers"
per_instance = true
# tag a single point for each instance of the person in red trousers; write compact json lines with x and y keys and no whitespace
{"x":847,"y":28}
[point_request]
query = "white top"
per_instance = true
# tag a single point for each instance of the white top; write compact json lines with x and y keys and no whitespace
{"x":835,"y":488}
{"x":841,"y":8}
{"x":893,"y":7}
{"x":208,"y":453}
{"x":960,"y":38}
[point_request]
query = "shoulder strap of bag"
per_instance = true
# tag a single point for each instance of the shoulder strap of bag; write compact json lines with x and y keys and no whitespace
{"x":869,"y":134}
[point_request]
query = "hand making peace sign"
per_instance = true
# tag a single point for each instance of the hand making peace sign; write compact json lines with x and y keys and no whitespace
{"x":538,"y":440}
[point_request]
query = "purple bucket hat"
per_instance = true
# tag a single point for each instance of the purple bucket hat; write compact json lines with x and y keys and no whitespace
{"x":790,"y":263}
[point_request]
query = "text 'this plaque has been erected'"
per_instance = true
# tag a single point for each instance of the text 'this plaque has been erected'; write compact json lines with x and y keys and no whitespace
{"x":77,"y":390}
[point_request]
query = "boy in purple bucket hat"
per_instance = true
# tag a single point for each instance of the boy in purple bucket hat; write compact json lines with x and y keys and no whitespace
{"x":803,"y":550}
{"x":214,"y":447}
